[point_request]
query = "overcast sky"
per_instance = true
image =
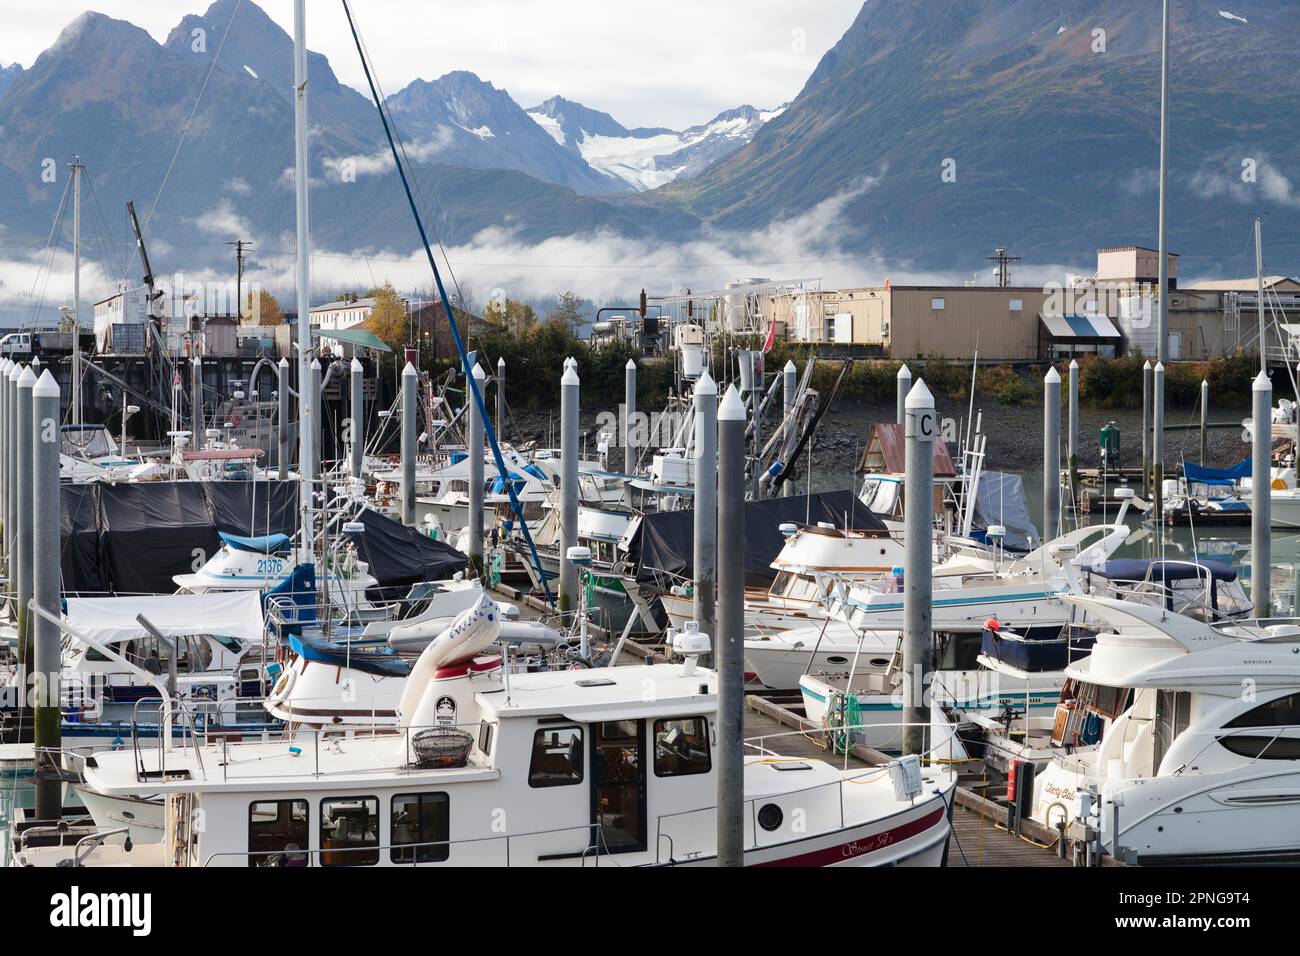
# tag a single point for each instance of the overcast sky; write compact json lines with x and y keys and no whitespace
{"x":663,"y":63}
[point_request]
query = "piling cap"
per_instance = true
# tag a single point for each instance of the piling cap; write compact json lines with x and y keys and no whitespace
{"x":630,"y":366}
{"x":570,"y":376}
{"x":1160,"y":367}
{"x":1053,"y":377}
{"x":1074,"y":365}
{"x":478,"y":373}
{"x":1261,"y":383}
{"x":315,"y":365}
{"x":27,"y":379}
{"x":409,"y":370}
{"x":904,"y":371}
{"x":501,"y":361}
{"x":46,"y":386}
{"x":356,"y":365}
{"x":731,"y":408}
{"x":706,"y":385}
{"x":284,"y":362}
{"x":1146,"y":366}
{"x":919,"y":397}
{"x":15,"y":373}
{"x":789,"y":366}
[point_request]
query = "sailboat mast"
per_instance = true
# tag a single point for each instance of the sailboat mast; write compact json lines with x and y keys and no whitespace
{"x":1259,"y":291}
{"x":76,"y":290}
{"x":1162,"y":330}
{"x":306,"y":400}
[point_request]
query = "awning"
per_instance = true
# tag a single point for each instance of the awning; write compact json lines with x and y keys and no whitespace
{"x":227,"y":613}
{"x":1091,"y":326}
{"x":354,"y":336}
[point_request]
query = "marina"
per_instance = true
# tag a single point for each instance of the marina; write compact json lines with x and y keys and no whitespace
{"x":751,"y":573}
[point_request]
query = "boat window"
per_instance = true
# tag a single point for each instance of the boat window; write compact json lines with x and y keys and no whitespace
{"x":485,"y":738}
{"x":277,"y":833}
{"x":961,"y":653}
{"x":231,"y":644}
{"x":1280,"y":712}
{"x":557,"y":757}
{"x":682,"y":747}
{"x":421,"y":825}
{"x":349,"y":831}
{"x":1262,"y":747}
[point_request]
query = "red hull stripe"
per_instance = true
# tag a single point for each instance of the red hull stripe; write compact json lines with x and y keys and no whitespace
{"x":868,"y":844}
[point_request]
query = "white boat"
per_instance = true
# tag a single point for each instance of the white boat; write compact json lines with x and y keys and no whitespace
{"x":1199,"y":729}
{"x":266,"y":562}
{"x":116,"y":669}
{"x":567,"y":768}
{"x":868,"y":708}
{"x":777,"y":660}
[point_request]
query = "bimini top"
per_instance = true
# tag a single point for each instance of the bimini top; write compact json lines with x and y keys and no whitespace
{"x":266,"y":544}
{"x":1166,"y":572}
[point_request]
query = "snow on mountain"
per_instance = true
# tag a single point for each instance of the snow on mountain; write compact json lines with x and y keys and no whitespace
{"x":646,"y":158}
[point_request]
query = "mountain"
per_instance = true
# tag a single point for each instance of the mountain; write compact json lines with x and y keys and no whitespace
{"x":1051,"y":129}
{"x":646,"y":157}
{"x":469,"y":122}
{"x":7,"y":74}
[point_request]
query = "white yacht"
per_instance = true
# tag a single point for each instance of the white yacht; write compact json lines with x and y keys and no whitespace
{"x":567,"y":768}
{"x":1198,"y":759}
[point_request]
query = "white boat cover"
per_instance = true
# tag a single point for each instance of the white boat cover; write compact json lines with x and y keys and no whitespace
{"x":235,"y":614}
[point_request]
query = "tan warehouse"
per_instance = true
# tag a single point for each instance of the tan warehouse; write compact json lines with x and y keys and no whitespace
{"x":1109,"y":313}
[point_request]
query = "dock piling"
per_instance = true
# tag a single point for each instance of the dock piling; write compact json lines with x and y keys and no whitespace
{"x":904,"y":385}
{"x":569,"y":483}
{"x":196,"y":404}
{"x":629,"y":413}
{"x":1051,"y":454}
{"x":1146,"y":429}
{"x":729,"y":640}
{"x":920,"y":429}
{"x":1205,"y":419}
{"x":410,"y":399}
{"x":706,"y":505}
{"x":1072,"y":439}
{"x":501,"y":396}
{"x":1158,"y":442}
{"x":46,"y":580}
{"x":475,"y":429}
{"x":1261,"y":502}
{"x":24,"y":509}
{"x":356,"y":383}
{"x":282,"y":420}
{"x":790,"y":385}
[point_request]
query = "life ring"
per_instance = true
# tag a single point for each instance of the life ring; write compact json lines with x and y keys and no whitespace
{"x":235,"y":419}
{"x":280,"y":692}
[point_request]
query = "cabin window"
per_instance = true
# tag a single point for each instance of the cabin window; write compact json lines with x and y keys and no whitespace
{"x":961,"y":653}
{"x":1282,"y":712}
{"x":485,"y":738}
{"x":1262,"y":747}
{"x":229,"y":643}
{"x":277,"y":833}
{"x":349,"y":831}
{"x":682,"y":747}
{"x":557,"y":757}
{"x":421,"y":825}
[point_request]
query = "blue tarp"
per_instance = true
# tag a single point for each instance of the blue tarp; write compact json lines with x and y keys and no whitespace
{"x":1202,"y":474}
{"x":265,"y":544}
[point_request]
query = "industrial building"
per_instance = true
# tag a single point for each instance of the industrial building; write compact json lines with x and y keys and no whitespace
{"x":1109,"y":313}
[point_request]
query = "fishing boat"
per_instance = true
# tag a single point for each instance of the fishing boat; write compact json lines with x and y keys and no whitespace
{"x":554,"y":769}
{"x":1198,"y":730}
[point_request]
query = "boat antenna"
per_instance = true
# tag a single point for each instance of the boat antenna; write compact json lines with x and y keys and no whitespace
{"x":471,"y":385}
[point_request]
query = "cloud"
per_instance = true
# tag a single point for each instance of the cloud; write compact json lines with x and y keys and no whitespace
{"x":1246,"y":180}
{"x":222,"y":220}
{"x":349,"y":168}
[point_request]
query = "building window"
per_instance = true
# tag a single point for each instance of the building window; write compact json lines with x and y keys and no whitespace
{"x":557,"y":757}
{"x":349,"y":831}
{"x":1017,"y":305}
{"x":277,"y":833}
{"x":682,"y":747}
{"x":937,"y":304}
{"x":421,"y":828}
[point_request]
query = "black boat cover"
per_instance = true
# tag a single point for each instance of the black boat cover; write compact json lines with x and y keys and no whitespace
{"x":664,"y":542}
{"x":131,"y":538}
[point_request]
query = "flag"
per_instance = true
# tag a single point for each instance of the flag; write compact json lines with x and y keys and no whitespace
{"x":771,"y":336}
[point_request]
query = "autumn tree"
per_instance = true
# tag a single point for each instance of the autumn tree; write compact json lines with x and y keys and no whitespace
{"x":389,"y":319}
{"x":568,"y":309}
{"x":264,"y":310}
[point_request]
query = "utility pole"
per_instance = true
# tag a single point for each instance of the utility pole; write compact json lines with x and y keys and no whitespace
{"x":240,"y":245}
{"x":1004,"y":262}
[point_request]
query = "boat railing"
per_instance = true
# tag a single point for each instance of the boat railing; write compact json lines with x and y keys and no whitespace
{"x":170,"y":712}
{"x":1156,"y":594}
